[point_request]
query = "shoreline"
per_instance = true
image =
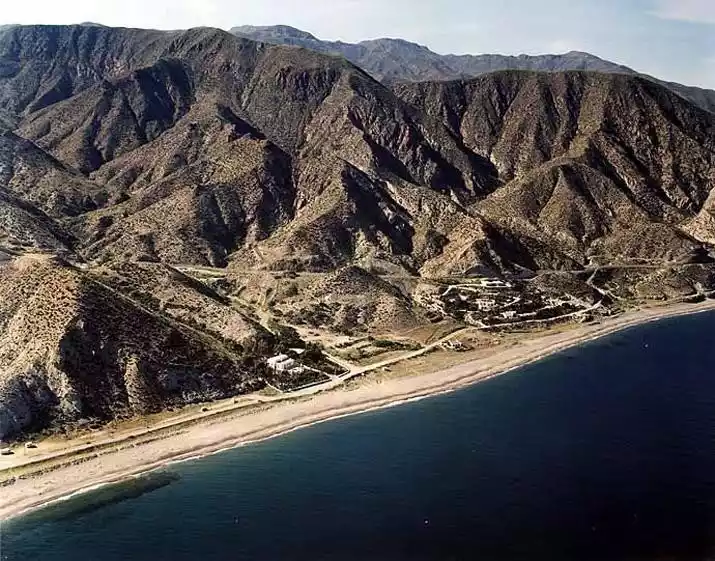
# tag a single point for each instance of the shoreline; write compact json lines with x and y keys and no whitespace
{"x":212,"y":437}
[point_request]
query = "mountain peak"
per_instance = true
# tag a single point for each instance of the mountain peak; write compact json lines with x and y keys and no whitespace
{"x":580,"y":53}
{"x":393,"y":41}
{"x":274,"y":31}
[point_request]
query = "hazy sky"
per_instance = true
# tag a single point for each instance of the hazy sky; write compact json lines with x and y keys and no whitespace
{"x":671,"y":39}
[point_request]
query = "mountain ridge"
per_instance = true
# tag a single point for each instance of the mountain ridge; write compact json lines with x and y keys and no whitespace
{"x":391,"y":60}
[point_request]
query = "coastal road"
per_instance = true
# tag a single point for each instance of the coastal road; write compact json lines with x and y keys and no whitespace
{"x":355,"y":370}
{"x":105,"y":442}
{"x":218,"y":409}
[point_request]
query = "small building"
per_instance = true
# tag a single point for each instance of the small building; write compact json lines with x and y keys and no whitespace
{"x":509,"y":314}
{"x":455,"y":345}
{"x":286,"y":365}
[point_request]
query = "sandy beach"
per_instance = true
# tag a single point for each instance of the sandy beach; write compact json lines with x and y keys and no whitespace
{"x":267,"y":420}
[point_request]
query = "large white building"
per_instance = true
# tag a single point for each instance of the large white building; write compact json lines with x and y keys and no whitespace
{"x":281,"y":363}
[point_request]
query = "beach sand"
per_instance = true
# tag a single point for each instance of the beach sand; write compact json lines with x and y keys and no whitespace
{"x":271,"y":419}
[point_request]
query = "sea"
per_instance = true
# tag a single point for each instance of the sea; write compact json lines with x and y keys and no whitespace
{"x":602,"y":452}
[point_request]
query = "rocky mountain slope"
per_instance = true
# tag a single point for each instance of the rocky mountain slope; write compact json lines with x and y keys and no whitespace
{"x":598,"y":167}
{"x":395,"y":60}
{"x":71,"y":349}
{"x":130,"y":154}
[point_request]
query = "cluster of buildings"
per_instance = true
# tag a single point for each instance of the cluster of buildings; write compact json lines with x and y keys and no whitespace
{"x":484,"y":295}
{"x":285,"y":364}
{"x":491,"y":302}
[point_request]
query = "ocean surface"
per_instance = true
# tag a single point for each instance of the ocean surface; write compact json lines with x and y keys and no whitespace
{"x":605,"y":452}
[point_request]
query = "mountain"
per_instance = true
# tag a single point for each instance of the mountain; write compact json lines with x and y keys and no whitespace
{"x":29,"y":195}
{"x":70,"y":350}
{"x":601,"y":166}
{"x":302,"y":191}
{"x":394,"y":60}
{"x":214,"y":143}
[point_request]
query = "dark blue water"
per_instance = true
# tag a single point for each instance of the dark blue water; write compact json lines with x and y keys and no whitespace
{"x":606,"y":452}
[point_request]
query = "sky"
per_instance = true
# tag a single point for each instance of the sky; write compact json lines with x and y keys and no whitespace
{"x":670,"y":39}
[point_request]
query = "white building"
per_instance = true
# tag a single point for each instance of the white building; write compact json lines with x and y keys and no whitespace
{"x":281,"y":363}
{"x":276,"y":359}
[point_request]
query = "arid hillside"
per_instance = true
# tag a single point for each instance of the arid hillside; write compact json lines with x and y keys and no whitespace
{"x":197,"y":147}
{"x":177,"y":206}
{"x":72,"y":348}
{"x":596,"y":168}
